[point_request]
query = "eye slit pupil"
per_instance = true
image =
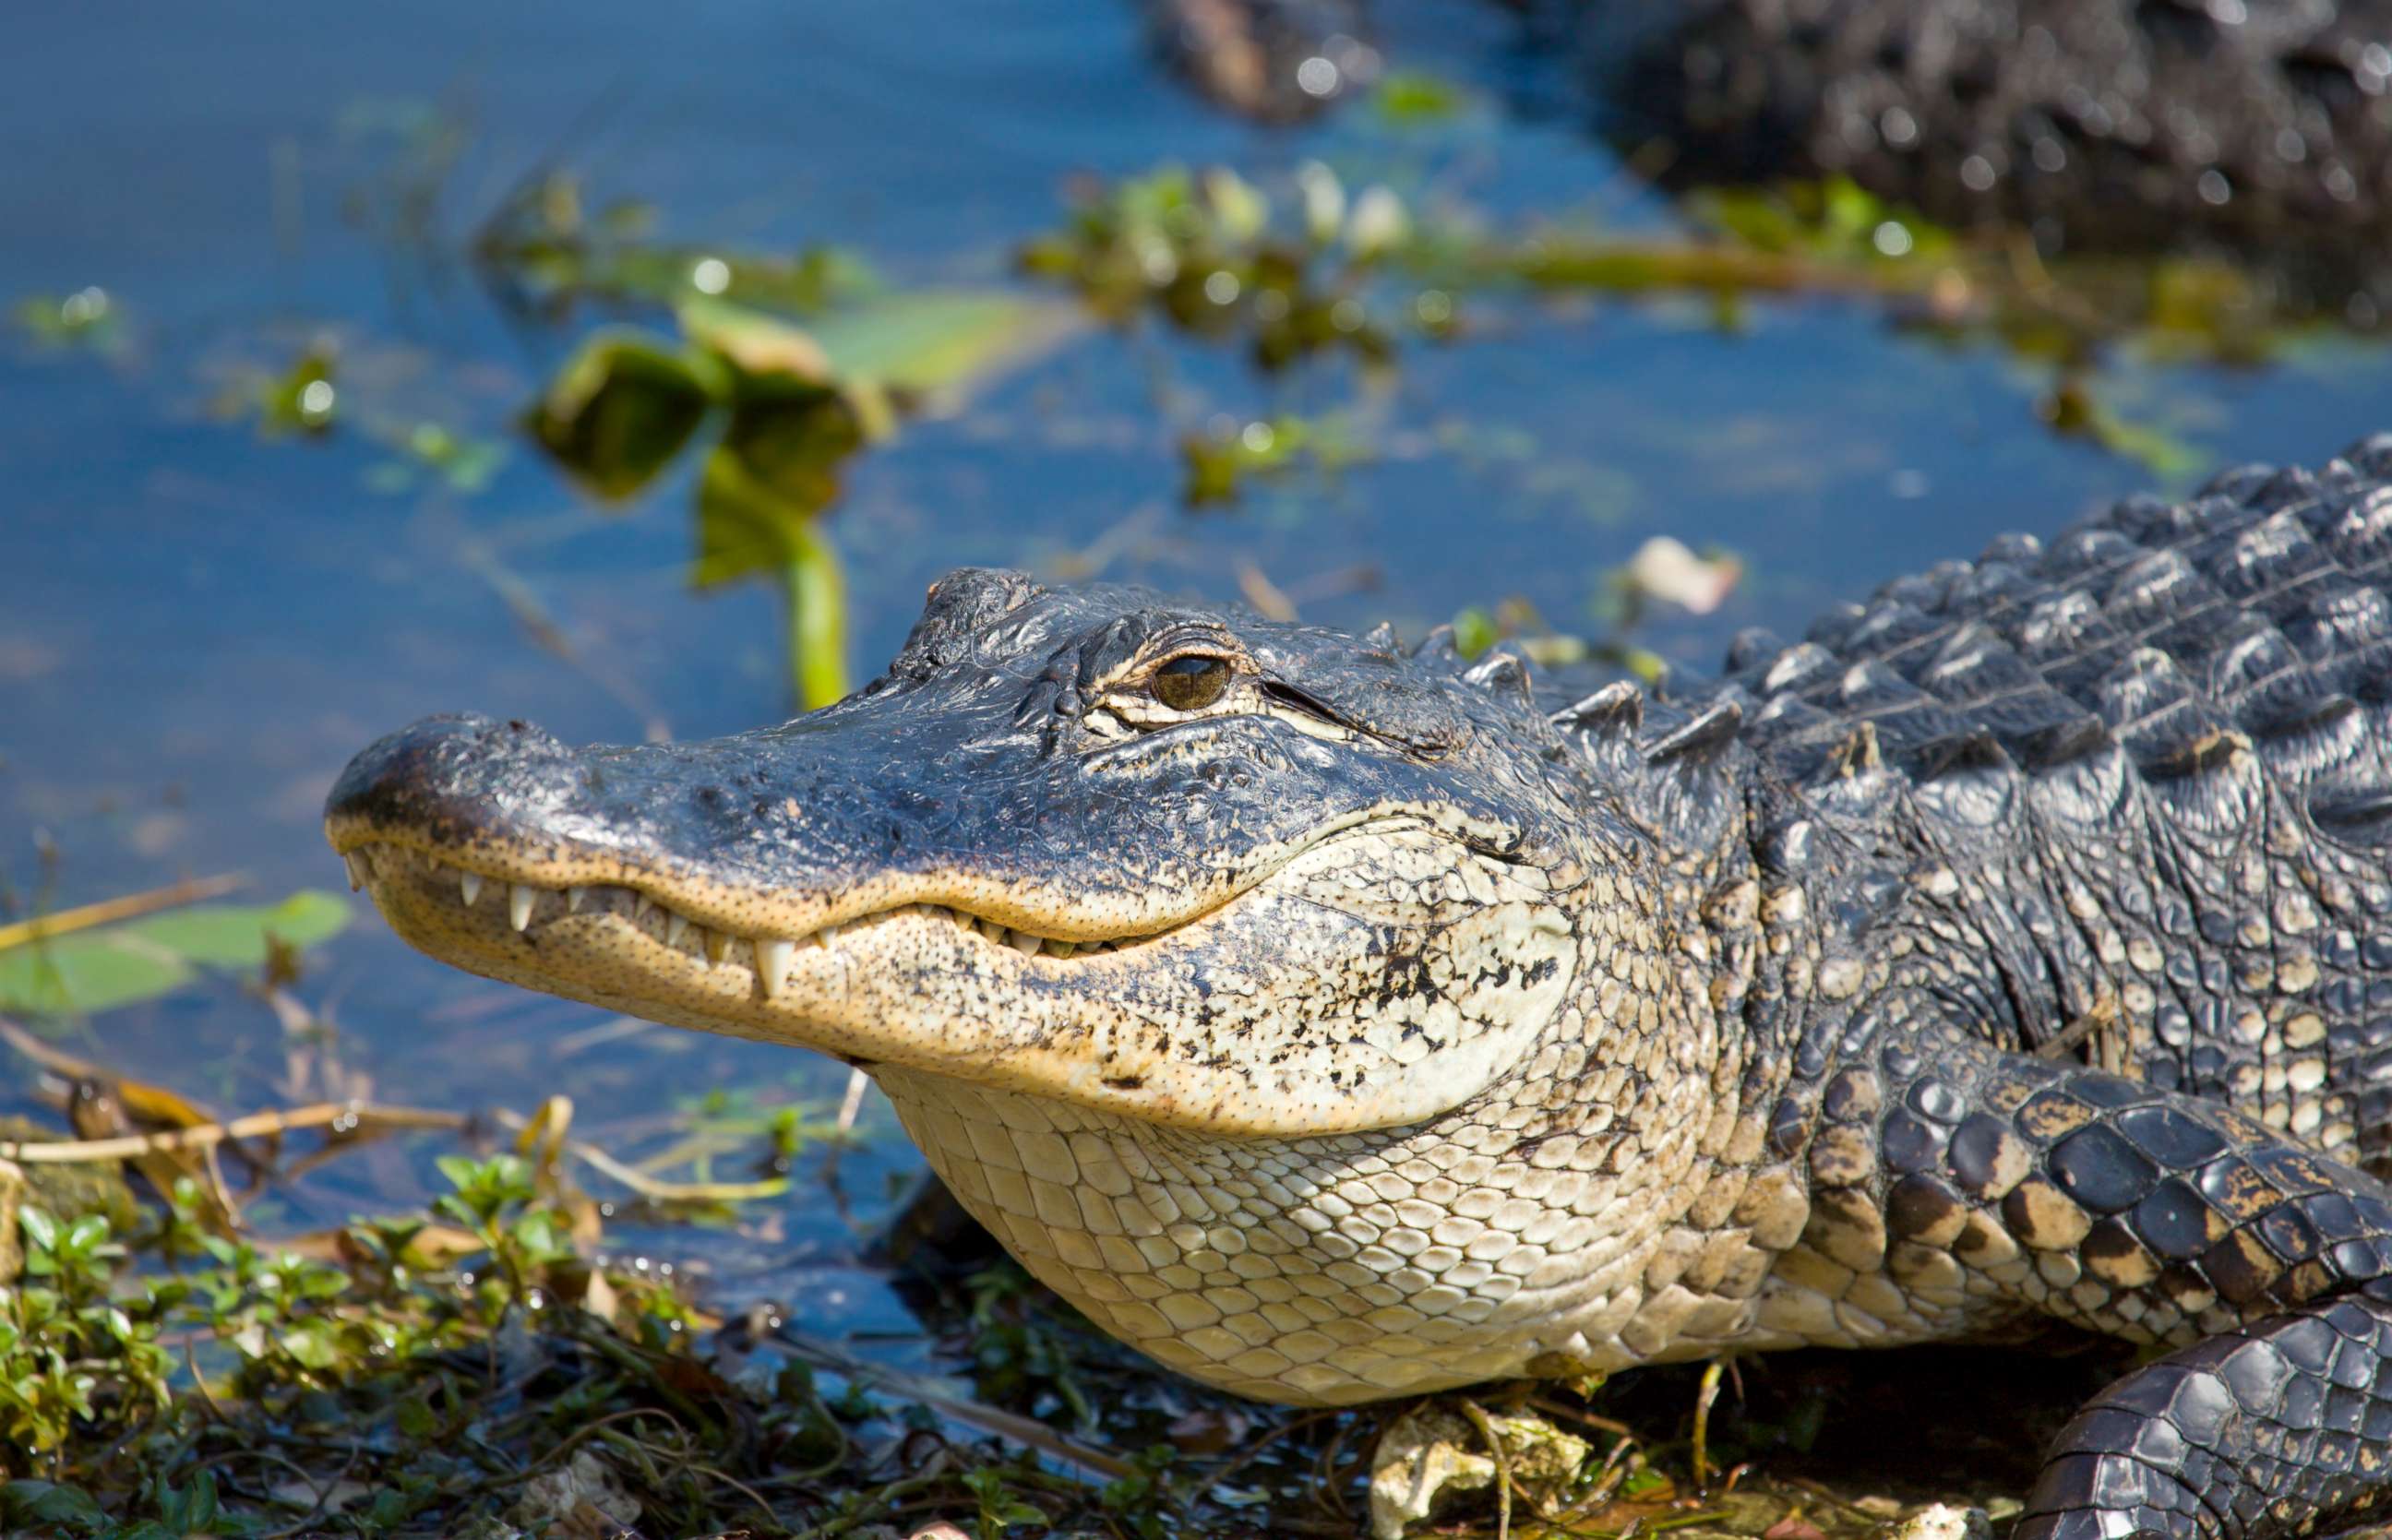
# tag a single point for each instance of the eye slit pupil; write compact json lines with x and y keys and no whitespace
{"x":1192,"y":682}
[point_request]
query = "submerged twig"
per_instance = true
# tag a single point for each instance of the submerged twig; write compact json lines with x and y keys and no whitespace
{"x":653,"y":1187}
{"x":345,"y":1117}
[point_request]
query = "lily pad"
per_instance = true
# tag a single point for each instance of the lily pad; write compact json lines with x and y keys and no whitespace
{"x":98,"y":970}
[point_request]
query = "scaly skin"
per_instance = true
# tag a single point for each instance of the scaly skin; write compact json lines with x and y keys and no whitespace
{"x":1335,"y":1022}
{"x":2102,"y":124}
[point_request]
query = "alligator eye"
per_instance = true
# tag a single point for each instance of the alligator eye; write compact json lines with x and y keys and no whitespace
{"x":1192,"y":682}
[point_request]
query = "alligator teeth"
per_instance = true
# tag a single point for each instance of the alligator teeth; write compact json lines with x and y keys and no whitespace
{"x":773,"y":956}
{"x":772,"y":961}
{"x":359,"y":870}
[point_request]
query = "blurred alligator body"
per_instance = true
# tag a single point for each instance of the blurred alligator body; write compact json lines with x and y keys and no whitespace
{"x":2115,"y":124}
{"x":1336,"y":1020}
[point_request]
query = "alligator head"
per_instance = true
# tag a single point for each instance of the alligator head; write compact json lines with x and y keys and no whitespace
{"x":1160,"y":925}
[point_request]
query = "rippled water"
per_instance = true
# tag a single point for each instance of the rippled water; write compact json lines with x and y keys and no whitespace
{"x":200,"y":623}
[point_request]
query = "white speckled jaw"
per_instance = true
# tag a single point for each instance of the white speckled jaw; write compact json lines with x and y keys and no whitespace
{"x":1378,"y":976}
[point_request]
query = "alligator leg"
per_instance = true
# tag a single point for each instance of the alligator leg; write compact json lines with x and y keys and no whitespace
{"x":1993,"y":1181}
{"x":2281,"y":1426}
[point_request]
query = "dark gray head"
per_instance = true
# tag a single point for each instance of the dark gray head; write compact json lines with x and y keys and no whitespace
{"x":1180,"y":863}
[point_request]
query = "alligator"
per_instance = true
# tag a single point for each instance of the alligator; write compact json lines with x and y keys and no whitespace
{"x":2096,"y":124}
{"x":2112,"y":124}
{"x":1335,"y":1020}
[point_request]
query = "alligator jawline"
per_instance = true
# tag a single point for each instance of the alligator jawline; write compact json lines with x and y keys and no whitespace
{"x":529,"y":908}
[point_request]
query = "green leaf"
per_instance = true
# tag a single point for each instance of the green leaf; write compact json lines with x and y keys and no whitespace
{"x":235,"y":936}
{"x":310,"y":1345}
{"x":743,"y":525}
{"x":938,"y":339}
{"x":921,"y":343}
{"x":1407,"y":96}
{"x":97,"y":970}
{"x":31,"y":1502}
{"x":41,"y":1230}
{"x":619,"y":411}
{"x":85,"y":973}
{"x":792,"y":449}
{"x":756,"y":345}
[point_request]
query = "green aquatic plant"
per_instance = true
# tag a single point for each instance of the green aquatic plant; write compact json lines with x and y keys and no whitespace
{"x":1305,"y":271}
{"x":302,"y":398}
{"x":53,"y":968}
{"x":90,"y":319}
{"x":545,"y":251}
{"x":784,"y":408}
{"x":1226,"y":455}
{"x":1212,"y":255}
{"x":429,"y":453}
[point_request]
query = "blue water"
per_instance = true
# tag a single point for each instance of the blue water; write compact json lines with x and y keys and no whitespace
{"x":198,"y":624}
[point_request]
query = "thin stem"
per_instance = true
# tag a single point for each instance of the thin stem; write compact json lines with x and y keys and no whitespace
{"x":817,"y":597}
{"x":42,"y":927}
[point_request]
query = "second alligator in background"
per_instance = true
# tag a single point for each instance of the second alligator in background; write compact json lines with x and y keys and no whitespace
{"x":2263,"y":126}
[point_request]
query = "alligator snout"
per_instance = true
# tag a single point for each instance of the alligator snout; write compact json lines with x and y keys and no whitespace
{"x":451,"y":775}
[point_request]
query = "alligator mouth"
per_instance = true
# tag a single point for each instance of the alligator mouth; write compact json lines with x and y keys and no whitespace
{"x":1254,"y":1006}
{"x":402,"y":876}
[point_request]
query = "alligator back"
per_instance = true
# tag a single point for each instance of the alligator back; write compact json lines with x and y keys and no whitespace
{"x":2143,"y":766}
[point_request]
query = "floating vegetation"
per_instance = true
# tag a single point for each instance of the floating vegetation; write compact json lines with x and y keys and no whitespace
{"x":545,"y":253}
{"x":89,"y":319}
{"x":786,"y":407}
{"x":113,"y":953}
{"x":1412,"y":99}
{"x":1205,"y":253}
{"x":1226,"y":453}
{"x":1316,"y":272}
{"x":303,"y":399}
{"x":430,"y":454}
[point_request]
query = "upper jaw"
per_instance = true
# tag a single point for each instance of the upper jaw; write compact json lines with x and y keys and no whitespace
{"x":758,"y":836}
